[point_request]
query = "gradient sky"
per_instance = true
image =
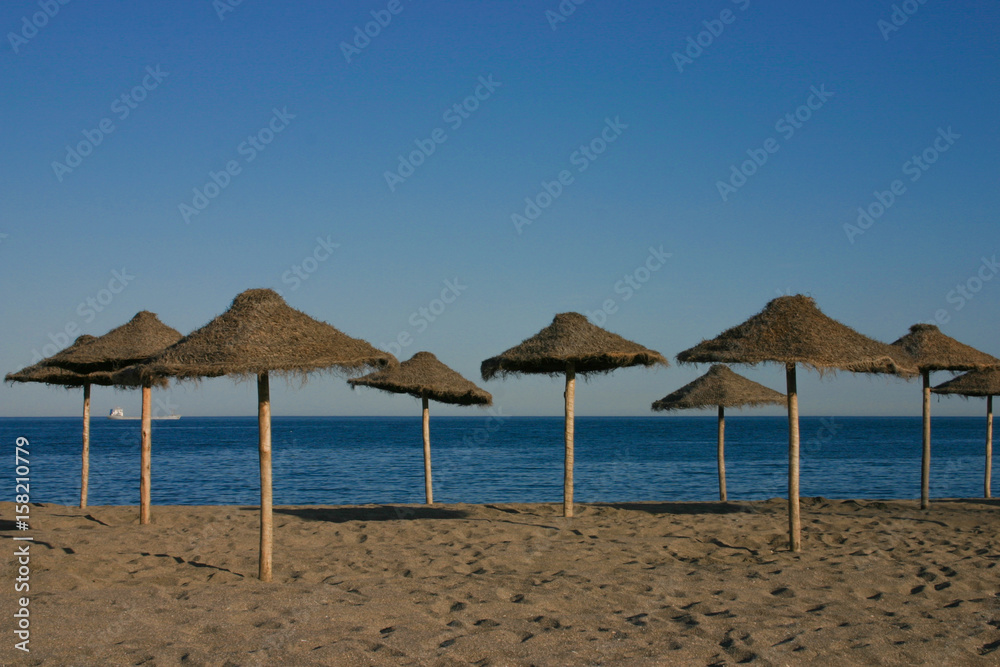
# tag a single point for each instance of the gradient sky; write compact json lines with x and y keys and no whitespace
{"x":347,"y":114}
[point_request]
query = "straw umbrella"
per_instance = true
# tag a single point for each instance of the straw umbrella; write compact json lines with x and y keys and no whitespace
{"x":791,"y":330}
{"x":978,"y":383}
{"x":723,"y":388}
{"x":136,"y":340}
{"x":53,"y":375}
{"x":570,"y":345}
{"x":933,"y":351}
{"x":426,"y":378}
{"x":258,"y":335}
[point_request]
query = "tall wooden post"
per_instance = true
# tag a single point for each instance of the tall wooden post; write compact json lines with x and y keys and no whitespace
{"x":85,"y":464}
{"x":146,"y":444}
{"x":568,"y":472}
{"x":428,"y":487}
{"x":925,"y":463}
{"x":989,"y":444}
{"x":722,"y":456}
{"x":264,"y":449}
{"x":794,"y":521}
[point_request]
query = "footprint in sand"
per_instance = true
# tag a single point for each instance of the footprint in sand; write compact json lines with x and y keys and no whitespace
{"x":547,"y":622}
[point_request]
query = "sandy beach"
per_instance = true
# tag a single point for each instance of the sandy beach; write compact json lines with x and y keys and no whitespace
{"x":878,"y":582}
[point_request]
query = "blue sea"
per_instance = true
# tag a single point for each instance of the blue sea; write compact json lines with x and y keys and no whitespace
{"x":486,"y":459}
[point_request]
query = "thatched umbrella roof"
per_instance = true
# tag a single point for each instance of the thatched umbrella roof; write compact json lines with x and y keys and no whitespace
{"x":978,"y":383}
{"x":54,"y":375}
{"x":43,"y":373}
{"x":135,"y":341}
{"x":934,"y":351}
{"x":424,"y":375}
{"x":570,"y":345}
{"x":792,"y":329}
{"x":571,"y":339}
{"x":719,"y":387}
{"x":260,"y":333}
{"x":973,"y":383}
{"x":46,"y":373}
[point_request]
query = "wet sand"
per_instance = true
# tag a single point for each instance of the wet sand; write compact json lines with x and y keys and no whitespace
{"x":619,"y":584}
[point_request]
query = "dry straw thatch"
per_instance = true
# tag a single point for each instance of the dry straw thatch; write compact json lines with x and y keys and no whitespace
{"x":260,"y":334}
{"x":46,"y":373}
{"x":719,"y":387}
{"x":571,"y":339}
{"x":973,"y":383}
{"x":424,"y":375}
{"x":933,"y":351}
{"x":135,"y":341}
{"x":978,"y":383}
{"x":43,"y":373}
{"x":427,"y":378}
{"x":53,"y":375}
{"x":570,"y":345}
{"x":792,"y":330}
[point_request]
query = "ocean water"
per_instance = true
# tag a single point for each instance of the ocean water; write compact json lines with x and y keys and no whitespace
{"x":354,"y":460}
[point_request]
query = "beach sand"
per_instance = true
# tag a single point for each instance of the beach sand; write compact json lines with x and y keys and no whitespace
{"x":619,"y":584}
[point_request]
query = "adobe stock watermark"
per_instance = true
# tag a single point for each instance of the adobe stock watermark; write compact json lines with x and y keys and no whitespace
{"x":454,"y":116}
{"x":900,"y":14}
{"x":249,"y":149}
{"x":491,"y":424}
{"x":581,"y":158}
{"x":422,"y":317}
{"x":22,"y":554}
{"x":696,"y":44}
{"x":3,"y":237}
{"x":824,"y":435}
{"x":629,"y":284}
{"x":372,"y":29}
{"x":122,"y":107}
{"x":967,"y":290}
{"x":299,"y":273}
{"x":787,"y":126}
{"x":30,"y":26}
{"x":562,"y":12}
{"x":914,"y":168}
{"x":223,"y":7}
{"x":88,"y":310}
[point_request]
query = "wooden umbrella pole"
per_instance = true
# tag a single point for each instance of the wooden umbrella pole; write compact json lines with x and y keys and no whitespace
{"x":264,"y":448}
{"x":722,"y":456}
{"x":989,"y":444}
{"x":146,"y":443}
{"x":925,"y":463}
{"x":568,"y":472}
{"x":428,"y":487}
{"x":85,"y":464}
{"x":794,"y":521}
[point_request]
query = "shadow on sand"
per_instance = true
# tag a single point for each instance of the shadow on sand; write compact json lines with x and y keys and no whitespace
{"x":684,"y":508}
{"x":991,"y":502}
{"x":369,"y":513}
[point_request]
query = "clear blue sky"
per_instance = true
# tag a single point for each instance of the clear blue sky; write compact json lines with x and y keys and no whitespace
{"x":163,"y":95}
